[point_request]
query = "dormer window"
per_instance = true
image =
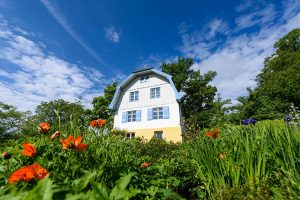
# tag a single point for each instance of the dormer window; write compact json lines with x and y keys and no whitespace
{"x":134,"y":96}
{"x":144,"y":79}
{"x":154,"y":93}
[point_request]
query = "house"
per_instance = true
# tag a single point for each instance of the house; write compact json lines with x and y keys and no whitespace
{"x":146,"y":105}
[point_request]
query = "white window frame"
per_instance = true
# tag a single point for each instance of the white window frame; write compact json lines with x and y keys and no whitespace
{"x":157,"y":113}
{"x":144,"y":79}
{"x":155,"y":93}
{"x":131,"y":116}
{"x":133,"y":96}
{"x":130,"y":135}
{"x":158,"y":134}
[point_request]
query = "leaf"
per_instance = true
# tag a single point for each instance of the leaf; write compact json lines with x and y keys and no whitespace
{"x":119,"y":191}
{"x":101,"y":191}
{"x":152,"y":190}
{"x":43,"y":190}
{"x":81,"y":183}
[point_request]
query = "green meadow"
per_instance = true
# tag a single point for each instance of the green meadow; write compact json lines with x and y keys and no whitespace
{"x":243,"y":162}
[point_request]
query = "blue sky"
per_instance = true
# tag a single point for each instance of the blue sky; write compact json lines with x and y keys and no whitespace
{"x":66,"y":49}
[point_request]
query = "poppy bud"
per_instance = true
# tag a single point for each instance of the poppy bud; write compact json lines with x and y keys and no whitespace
{"x":6,"y":155}
{"x":54,"y":135}
{"x":145,"y":165}
{"x":44,"y":127}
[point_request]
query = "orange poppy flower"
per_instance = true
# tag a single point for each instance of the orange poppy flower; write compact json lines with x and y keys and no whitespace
{"x":78,"y":145}
{"x":39,"y":171}
{"x":67,"y":143}
{"x":214,"y":134}
{"x":29,"y":149}
{"x":208,"y":133}
{"x":27,"y":173}
{"x":55,"y":135}
{"x":145,"y":165}
{"x":45,"y":126}
{"x":94,"y":123}
{"x":73,"y":143}
{"x":101,"y":122}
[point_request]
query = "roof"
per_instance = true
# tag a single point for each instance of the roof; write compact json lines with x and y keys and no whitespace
{"x":142,"y":69}
{"x":139,"y":73}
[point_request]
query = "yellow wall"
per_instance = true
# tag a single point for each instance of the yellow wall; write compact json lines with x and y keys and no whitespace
{"x":169,"y":133}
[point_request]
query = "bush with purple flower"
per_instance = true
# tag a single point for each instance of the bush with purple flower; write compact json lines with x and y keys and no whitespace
{"x":249,"y":121}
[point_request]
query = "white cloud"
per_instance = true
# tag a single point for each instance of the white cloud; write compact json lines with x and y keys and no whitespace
{"x":40,"y":76}
{"x":112,"y":34}
{"x":62,"y":20}
{"x":197,"y":44}
{"x":239,"y":58}
{"x":291,"y":8}
{"x":155,"y":60}
{"x":246,"y":4}
{"x":217,"y":26}
{"x":258,"y":17}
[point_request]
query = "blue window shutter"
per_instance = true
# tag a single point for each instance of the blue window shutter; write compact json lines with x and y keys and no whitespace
{"x":124,"y":117}
{"x":149,"y":114}
{"x":166,"y":112}
{"x":138,"y":115}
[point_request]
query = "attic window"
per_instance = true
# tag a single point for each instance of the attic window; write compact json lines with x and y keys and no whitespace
{"x":144,"y":79}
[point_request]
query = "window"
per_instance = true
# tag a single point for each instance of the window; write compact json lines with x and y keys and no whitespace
{"x":131,"y":116}
{"x":130,"y":135}
{"x":134,"y":96}
{"x":158,"y":134}
{"x":157,"y":113}
{"x":155,"y":93}
{"x":144,"y":79}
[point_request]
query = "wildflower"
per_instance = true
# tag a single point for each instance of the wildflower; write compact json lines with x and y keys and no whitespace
{"x":72,"y":143}
{"x":208,"y":133}
{"x":28,"y":173}
{"x":67,"y":143}
{"x":244,"y":122}
{"x":78,"y":145}
{"x":6,"y":155}
{"x":214,"y":134}
{"x":101,"y":122}
{"x":44,"y":126}
{"x":145,"y":165}
{"x":94,"y":123}
{"x":55,"y":135}
{"x":29,"y":149}
{"x":249,"y":121}
{"x":97,"y":123}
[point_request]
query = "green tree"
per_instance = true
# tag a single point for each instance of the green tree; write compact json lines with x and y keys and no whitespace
{"x":49,"y":111}
{"x":198,"y":96}
{"x":277,"y":83}
{"x":11,"y":120}
{"x":280,"y":77}
{"x":101,"y":104}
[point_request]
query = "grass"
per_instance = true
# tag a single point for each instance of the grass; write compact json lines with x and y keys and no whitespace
{"x":244,"y":162}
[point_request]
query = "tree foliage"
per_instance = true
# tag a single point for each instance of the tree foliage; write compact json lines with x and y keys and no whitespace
{"x":277,"y":83}
{"x":10,"y":120}
{"x":49,"y":112}
{"x":198,"y":96}
{"x":280,"y":76}
{"x":101,"y":103}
